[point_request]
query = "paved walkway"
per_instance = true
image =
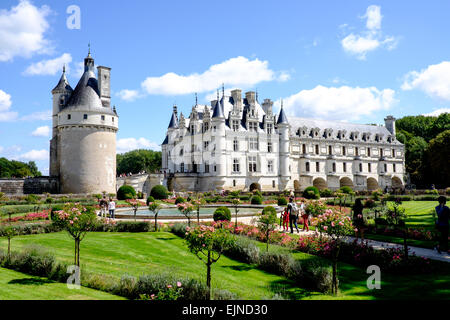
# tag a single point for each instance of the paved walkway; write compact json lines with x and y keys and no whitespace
{"x":421,"y":252}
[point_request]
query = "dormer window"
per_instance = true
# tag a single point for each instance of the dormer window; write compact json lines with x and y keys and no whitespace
{"x":269,"y":128}
{"x":69,"y":117}
{"x":103,"y":118}
{"x":253,"y":126}
{"x":235,"y":125}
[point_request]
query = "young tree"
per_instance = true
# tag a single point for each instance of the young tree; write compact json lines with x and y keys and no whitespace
{"x":267,"y":222}
{"x":186,"y":209}
{"x":155,"y":207}
{"x":337,"y":225}
{"x":208,"y":243}
{"x":236,"y":202}
{"x":395,"y":216}
{"x":135,"y":204}
{"x":197,"y":203}
{"x":77,"y":220}
{"x":9,"y":232}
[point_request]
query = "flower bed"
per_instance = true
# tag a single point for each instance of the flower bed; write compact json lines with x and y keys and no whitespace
{"x":34,"y":216}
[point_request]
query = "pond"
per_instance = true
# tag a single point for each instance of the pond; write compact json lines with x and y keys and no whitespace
{"x":173,"y":212}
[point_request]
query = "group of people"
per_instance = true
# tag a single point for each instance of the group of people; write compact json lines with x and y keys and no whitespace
{"x":293,"y":215}
{"x":107,"y":206}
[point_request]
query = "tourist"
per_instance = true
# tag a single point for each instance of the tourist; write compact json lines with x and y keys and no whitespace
{"x":442,"y":224}
{"x":111,"y":208}
{"x":293,"y":215}
{"x":285,"y":219}
{"x":305,"y":216}
{"x":358,"y":218}
{"x":103,"y":207}
{"x":292,"y":194}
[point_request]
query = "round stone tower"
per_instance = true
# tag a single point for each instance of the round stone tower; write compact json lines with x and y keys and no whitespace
{"x":84,"y":154}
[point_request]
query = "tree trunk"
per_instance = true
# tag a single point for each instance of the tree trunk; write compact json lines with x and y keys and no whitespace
{"x":76,"y":252}
{"x":198,"y":215}
{"x":156,"y":223}
{"x":334,"y":289}
{"x":135,"y":215}
{"x":267,"y":242}
{"x":9,"y":249}
{"x":208,"y":275}
{"x":189,"y":221}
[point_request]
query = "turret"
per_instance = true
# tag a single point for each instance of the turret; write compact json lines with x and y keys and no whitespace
{"x":283,"y":130}
{"x":218,"y":121}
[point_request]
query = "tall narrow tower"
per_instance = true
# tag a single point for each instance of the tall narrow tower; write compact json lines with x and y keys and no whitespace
{"x":86,"y":134}
{"x":283,"y":130}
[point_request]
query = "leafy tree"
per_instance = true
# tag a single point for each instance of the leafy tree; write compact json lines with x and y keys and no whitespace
{"x":135,"y":204}
{"x":77,"y":220}
{"x":186,"y":209}
{"x":208,"y":243}
{"x":10,"y":232}
{"x":17,"y":169}
{"x":438,"y":155}
{"x":198,"y":203}
{"x":139,"y":160}
{"x":267,"y":222}
{"x":155,"y":207}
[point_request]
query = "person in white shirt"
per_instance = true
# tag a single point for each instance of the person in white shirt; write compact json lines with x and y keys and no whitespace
{"x":111,"y":208}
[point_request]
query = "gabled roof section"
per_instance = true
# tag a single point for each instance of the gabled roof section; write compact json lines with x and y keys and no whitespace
{"x":63,"y":84}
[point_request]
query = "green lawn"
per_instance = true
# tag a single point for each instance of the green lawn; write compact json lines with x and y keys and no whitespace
{"x":18,"y":286}
{"x":137,"y":253}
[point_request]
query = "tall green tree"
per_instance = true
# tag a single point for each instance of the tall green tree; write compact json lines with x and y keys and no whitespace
{"x":438,"y":157}
{"x":139,"y":160}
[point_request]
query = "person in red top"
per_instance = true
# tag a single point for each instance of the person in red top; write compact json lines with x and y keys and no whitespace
{"x":286,"y":220}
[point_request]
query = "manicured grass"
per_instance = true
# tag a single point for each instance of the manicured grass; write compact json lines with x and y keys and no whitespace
{"x":19,"y":286}
{"x":139,"y":253}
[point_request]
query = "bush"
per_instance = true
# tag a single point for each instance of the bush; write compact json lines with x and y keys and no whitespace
{"x":282,"y":201}
{"x":49,"y":200}
{"x":140,"y":195}
{"x":235,"y":194}
{"x":33,"y":260}
{"x":179,"y":229}
{"x":244,"y":198}
{"x":312,"y":275}
{"x":242,"y":249}
{"x":150,"y":199}
{"x":180,"y":200}
{"x":32,"y":199}
{"x":132,"y":226}
{"x":346,"y":190}
{"x":159,"y":192}
{"x":269,"y":210}
{"x":221,"y":214}
{"x":126,"y":192}
{"x":311,"y":193}
{"x":224,"y":295}
{"x":275,"y":262}
{"x":256,"y":192}
{"x":434,"y":191}
{"x":326,"y":193}
{"x":381,"y":221}
{"x":447,"y":191}
{"x":256,"y":200}
{"x":369,"y":203}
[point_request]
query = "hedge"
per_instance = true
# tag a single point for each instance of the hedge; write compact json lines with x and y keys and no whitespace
{"x":126,"y":192}
{"x":159,"y":192}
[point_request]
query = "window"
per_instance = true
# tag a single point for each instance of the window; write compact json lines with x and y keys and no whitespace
{"x":253,"y":126}
{"x":205,"y":145}
{"x":334,"y":167}
{"x":69,"y":117}
{"x":304,"y":148}
{"x":317,"y":149}
{"x":215,"y":168}
{"x":205,"y":126}
{"x":193,"y":148}
{"x":270,"y":166}
{"x":234,"y":183}
{"x":394,"y":168}
{"x":269,"y":146}
{"x":182,"y":167}
{"x":269,"y":128}
{"x":181,"y":151}
{"x":193,"y":129}
{"x":235,"y":144}
{"x":369,"y":165}
{"x":235,"y":125}
{"x":307,"y":167}
{"x":393,"y":153}
{"x":360,"y":167}
{"x":113,"y":119}
{"x":103,"y":118}
{"x":252,"y":164}
{"x":368,"y":152}
{"x":317,"y":166}
{"x":381,"y":152}
{"x":236,"y":165}
{"x":385,"y":167}
{"x":206,"y":168}
{"x":253,"y":144}
{"x":330,"y":150}
{"x":356,"y":151}
{"x":344,"y":151}
{"x":273,"y":183}
{"x":344,"y":167}
{"x":85,"y":116}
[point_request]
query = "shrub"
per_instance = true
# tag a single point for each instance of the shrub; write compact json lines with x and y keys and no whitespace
{"x":235,"y":194}
{"x":132,"y":226}
{"x":313,"y":275}
{"x":434,"y":191}
{"x":369,"y":203}
{"x":269,"y":210}
{"x":346,"y":190}
{"x":140,"y":195}
{"x":256,"y":200}
{"x":179,"y":229}
{"x":150,"y":199}
{"x":326,"y":193}
{"x":311,"y":193}
{"x":447,"y":191}
{"x":49,"y":200}
{"x":282,"y":201}
{"x":221,"y":214}
{"x":126,"y":192}
{"x":32,"y":199}
{"x":180,"y":200}
{"x":159,"y":192}
{"x":381,"y":221}
{"x":275,"y":262}
{"x":97,"y":196}
{"x":33,"y":260}
{"x":256,"y":192}
{"x":244,"y":198}
{"x":243,"y":249}
{"x":224,"y":295}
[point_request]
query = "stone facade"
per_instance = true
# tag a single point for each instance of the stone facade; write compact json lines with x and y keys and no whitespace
{"x":37,"y":185}
{"x":83,"y":145}
{"x":239,"y":144}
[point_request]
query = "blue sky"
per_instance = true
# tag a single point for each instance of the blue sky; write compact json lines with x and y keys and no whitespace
{"x":342,"y":60}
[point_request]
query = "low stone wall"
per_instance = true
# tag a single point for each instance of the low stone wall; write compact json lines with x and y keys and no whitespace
{"x":141,"y":182}
{"x":38,"y":185}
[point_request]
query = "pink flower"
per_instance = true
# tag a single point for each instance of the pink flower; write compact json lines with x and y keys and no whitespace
{"x":169,"y":286}
{"x":178,"y":284}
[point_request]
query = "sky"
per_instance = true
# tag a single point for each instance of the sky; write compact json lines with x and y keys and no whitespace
{"x":354,"y":60}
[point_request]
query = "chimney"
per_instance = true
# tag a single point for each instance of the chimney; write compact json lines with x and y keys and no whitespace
{"x":389,"y":123}
{"x":251,"y":97}
{"x":267,"y":106}
{"x":104,"y":85}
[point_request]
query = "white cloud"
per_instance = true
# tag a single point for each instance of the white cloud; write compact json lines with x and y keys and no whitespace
{"x":22,"y":30}
{"x":339,"y":103}
{"x":434,"y":80}
{"x":128,"y":144}
{"x":41,"y":132}
{"x":370,"y":39}
{"x":129,"y":95}
{"x":35,"y":155}
{"x":5,"y":104}
{"x":437,"y":113}
{"x":49,"y":67}
{"x":239,"y":72}
{"x":38,"y":116}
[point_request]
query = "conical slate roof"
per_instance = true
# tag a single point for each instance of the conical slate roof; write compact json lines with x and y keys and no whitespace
{"x":173,"y":122}
{"x":63,"y":84}
{"x":218,"y":110}
{"x":282,"y":117}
